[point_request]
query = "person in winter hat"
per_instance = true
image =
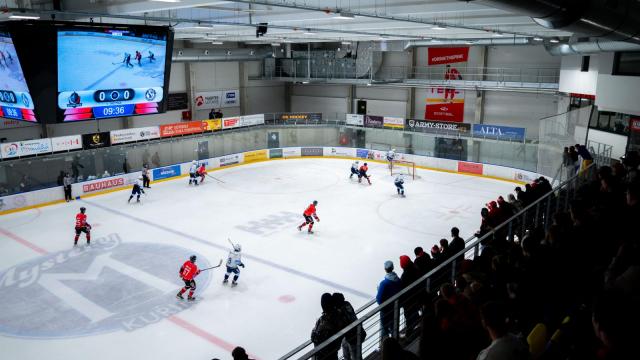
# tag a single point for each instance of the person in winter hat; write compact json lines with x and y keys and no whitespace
{"x":388,"y":287}
{"x":327,"y":325}
{"x":410,"y":302}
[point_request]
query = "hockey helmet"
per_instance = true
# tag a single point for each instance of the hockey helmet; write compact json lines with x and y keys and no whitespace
{"x":83,"y":209}
{"x":315,"y":202}
{"x":237,"y":247}
{"x":192,"y":258}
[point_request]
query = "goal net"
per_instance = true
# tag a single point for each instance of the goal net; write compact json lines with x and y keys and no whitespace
{"x":403,"y":167}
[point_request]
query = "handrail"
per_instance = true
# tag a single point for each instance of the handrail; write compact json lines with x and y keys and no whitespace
{"x":420,"y":281}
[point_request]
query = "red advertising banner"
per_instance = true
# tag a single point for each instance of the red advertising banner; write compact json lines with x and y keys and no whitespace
{"x":469,"y":168}
{"x":103,"y":185}
{"x":185,"y":128}
{"x":635,"y":124}
{"x":449,"y":55}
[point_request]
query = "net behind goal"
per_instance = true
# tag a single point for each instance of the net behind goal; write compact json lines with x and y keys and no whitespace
{"x":403,"y":167}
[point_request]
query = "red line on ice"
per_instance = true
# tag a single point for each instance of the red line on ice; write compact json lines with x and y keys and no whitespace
{"x":22,"y":241}
{"x":203,"y":334}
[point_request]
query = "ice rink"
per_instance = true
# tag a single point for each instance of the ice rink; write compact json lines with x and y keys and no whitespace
{"x":116,"y":299}
{"x":102,"y":67}
{"x":11,"y":76}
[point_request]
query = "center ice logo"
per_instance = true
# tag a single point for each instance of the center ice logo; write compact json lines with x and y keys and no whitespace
{"x":108,"y":287}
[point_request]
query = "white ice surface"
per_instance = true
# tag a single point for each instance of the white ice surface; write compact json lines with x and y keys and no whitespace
{"x":11,"y":77}
{"x":361,"y":226}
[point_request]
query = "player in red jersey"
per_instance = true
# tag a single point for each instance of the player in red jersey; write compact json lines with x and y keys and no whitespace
{"x":202,"y":172}
{"x":82,"y":226}
{"x":188,"y":271}
{"x":363,"y":173}
{"x":309,"y":214}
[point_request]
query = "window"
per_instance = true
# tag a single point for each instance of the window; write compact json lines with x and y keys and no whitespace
{"x":627,"y":63}
{"x":611,"y":122}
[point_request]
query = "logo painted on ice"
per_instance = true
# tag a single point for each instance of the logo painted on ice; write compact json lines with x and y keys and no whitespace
{"x":108,"y":287}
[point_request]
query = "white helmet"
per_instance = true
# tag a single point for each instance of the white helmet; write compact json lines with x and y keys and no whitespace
{"x":237,"y":247}
{"x":393,"y":149}
{"x":193,"y":162}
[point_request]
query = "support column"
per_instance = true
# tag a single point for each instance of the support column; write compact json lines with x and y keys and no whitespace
{"x":411,"y":103}
{"x":479,"y":109}
{"x":242,"y":81}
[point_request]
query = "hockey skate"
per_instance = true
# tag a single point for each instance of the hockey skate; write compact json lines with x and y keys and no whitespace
{"x":234,"y":284}
{"x":179,"y":296}
{"x":299,"y":228}
{"x":191,"y":298}
{"x":225,"y":281}
{"x":310,"y":232}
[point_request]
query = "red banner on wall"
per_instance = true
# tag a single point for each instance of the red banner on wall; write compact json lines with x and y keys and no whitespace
{"x":450,"y":55}
{"x":469,"y":168}
{"x":185,"y":128}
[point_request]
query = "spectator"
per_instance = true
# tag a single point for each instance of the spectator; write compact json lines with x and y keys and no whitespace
{"x":584,"y":153}
{"x":515,"y":203}
{"x":212,"y":114}
{"x":614,"y":319}
{"x":155,"y":160}
{"x":67,"y":181}
{"x":106,"y":174}
{"x":436,"y":255}
{"x":60,"y":180}
{"x":125,"y":166}
{"x":75,"y":167}
{"x":239,"y":354}
{"x":348,"y":316}
{"x":574,"y":157}
{"x":327,"y":325}
{"x":392,"y":350}
{"x":444,"y":247}
{"x":410,"y":302}
{"x":567,"y":165}
{"x":388,"y":287}
{"x":146,"y":180}
{"x":504,"y":346}
{"x":422,"y":261}
{"x":521,"y":196}
{"x":457,"y":243}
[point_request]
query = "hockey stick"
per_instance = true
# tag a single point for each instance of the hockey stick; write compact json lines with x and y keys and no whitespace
{"x":231,"y":242}
{"x":213,"y":267}
{"x":215,"y":178}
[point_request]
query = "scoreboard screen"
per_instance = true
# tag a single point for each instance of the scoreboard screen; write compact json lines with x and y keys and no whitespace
{"x":105,"y":73}
{"x":15,"y":100}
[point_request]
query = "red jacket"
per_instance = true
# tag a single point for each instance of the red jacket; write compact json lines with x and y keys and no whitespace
{"x":311,"y":210}
{"x":189,"y":270}
{"x":81,"y":220}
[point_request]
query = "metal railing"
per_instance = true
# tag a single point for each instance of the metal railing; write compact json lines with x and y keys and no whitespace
{"x":303,"y":70}
{"x":537,"y":215}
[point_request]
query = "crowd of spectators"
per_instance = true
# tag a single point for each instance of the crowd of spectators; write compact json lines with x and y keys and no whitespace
{"x":565,"y":290}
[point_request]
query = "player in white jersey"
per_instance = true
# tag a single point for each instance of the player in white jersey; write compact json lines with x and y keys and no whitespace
{"x":136,"y":190}
{"x":354,"y":169}
{"x":234,"y":261}
{"x":391,"y":154}
{"x":193,"y":170}
{"x":399,"y":182}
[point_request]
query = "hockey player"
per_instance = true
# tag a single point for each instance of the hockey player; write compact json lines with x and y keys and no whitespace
{"x":309,"y":214}
{"x":233,"y":262}
{"x":193,"y":170}
{"x":127,"y":60}
{"x":145,"y":176}
{"x":391,"y":154}
{"x":188,"y":271}
{"x":136,"y":190}
{"x":202,"y":172}
{"x":82,"y":226}
{"x":399,"y":182}
{"x":363,"y":173}
{"x":152,"y":57}
{"x":354,"y":169}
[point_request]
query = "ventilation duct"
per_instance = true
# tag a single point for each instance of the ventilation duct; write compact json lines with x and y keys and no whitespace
{"x":487,"y":41}
{"x":211,"y":55}
{"x":591,"y":47}
{"x":617,"y":20}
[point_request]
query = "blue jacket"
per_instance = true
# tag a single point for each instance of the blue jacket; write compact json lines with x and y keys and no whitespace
{"x":388,"y":287}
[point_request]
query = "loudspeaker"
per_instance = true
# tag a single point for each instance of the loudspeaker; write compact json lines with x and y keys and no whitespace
{"x":261,"y":29}
{"x":361,"y":107}
{"x":585,"y":64}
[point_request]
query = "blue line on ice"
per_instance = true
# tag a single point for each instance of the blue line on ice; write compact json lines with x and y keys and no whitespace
{"x":335,"y":286}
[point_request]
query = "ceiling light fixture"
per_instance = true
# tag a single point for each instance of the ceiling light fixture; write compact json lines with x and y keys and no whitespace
{"x":169,"y":1}
{"x":537,"y":38}
{"x":217,"y":43}
{"x":438,"y":27}
{"x":346,"y":43}
{"x":554,"y":40}
{"x":24,"y":17}
{"x":498,"y":34}
{"x":309,"y":32}
{"x":275,"y":44}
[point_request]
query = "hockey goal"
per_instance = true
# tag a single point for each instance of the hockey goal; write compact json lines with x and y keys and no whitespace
{"x":403,"y":167}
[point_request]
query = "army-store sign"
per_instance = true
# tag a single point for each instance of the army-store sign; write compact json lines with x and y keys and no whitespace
{"x":437,"y":126}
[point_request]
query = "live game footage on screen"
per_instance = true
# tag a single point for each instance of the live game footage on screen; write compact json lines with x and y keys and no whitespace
{"x":15,"y":100}
{"x":110,"y":73}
